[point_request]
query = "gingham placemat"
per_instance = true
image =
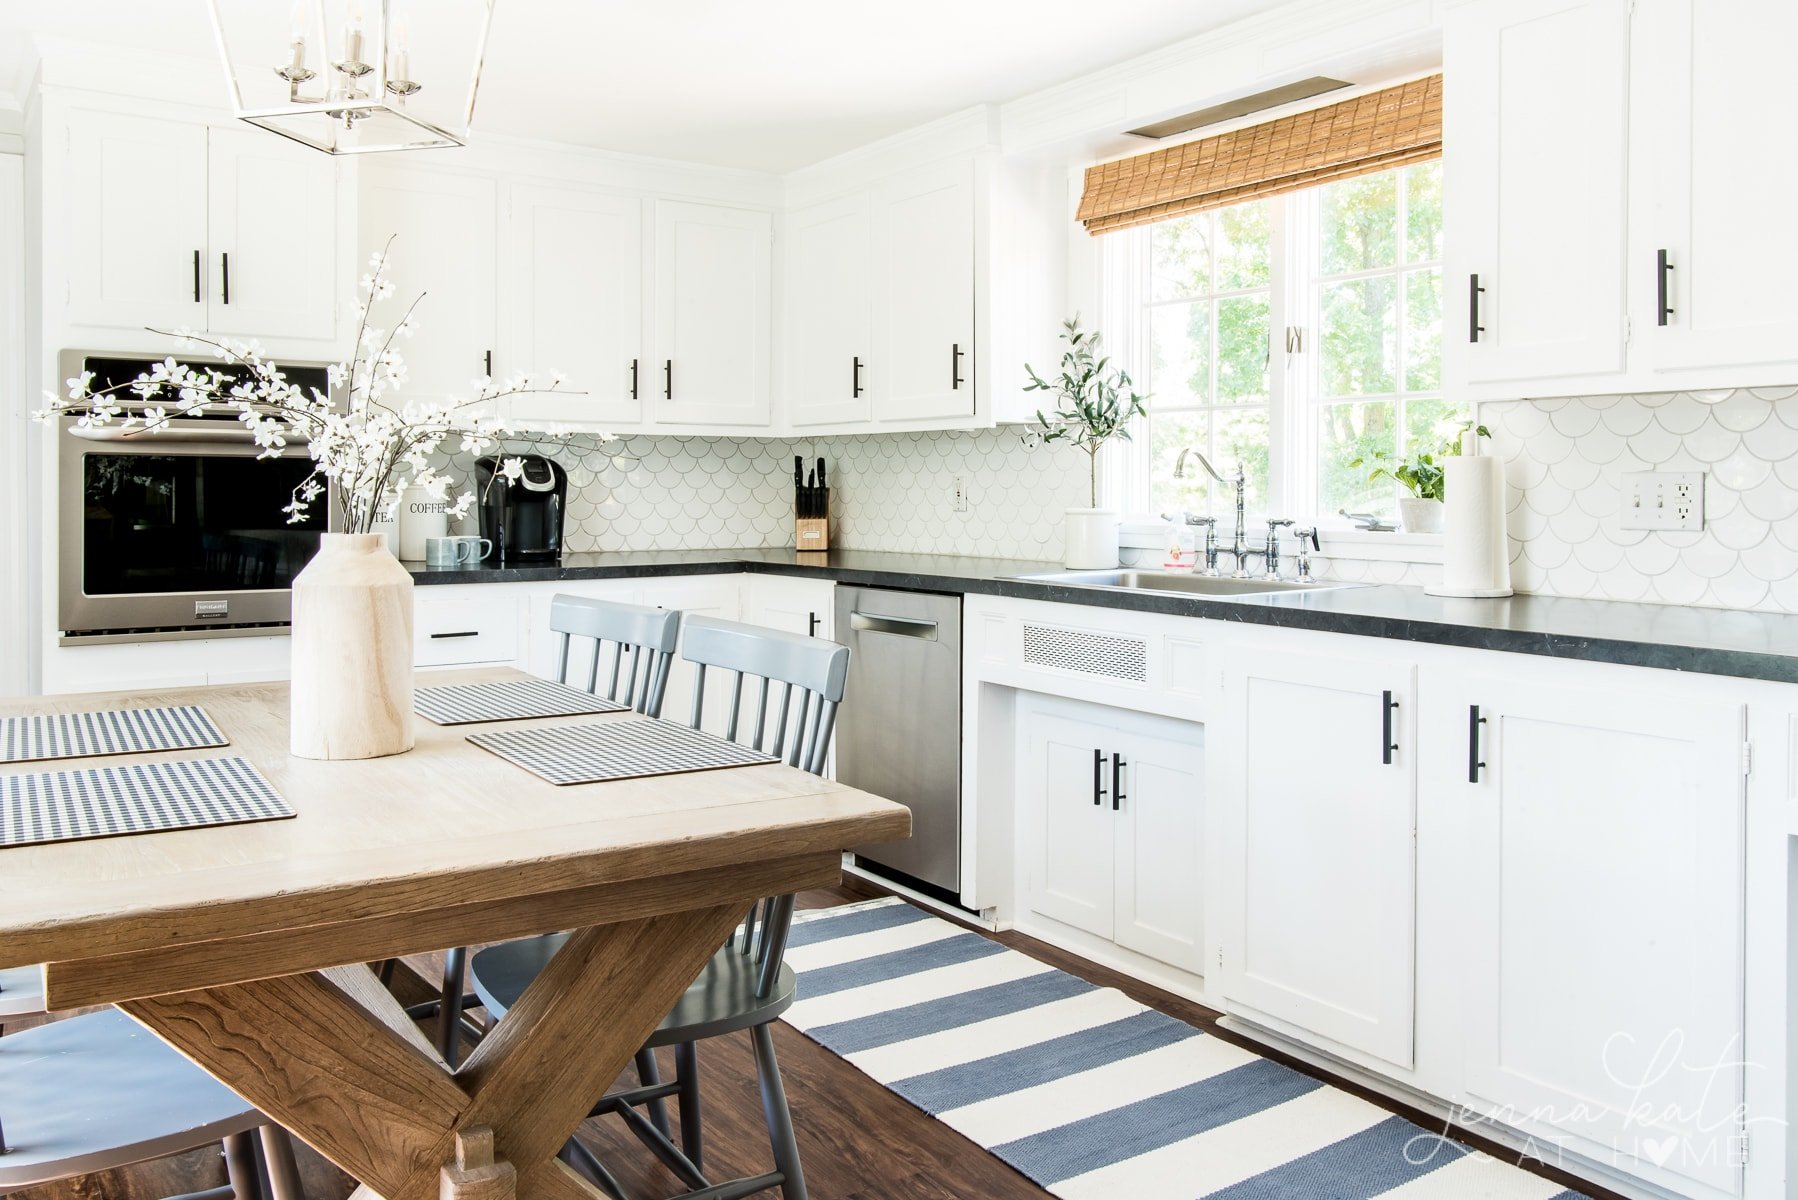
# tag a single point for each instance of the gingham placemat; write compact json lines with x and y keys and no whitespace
{"x":65,"y":806}
{"x":615,"y":750}
{"x":115,"y":731}
{"x":512,"y":700}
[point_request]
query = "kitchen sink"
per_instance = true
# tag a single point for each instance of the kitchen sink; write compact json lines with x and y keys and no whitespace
{"x":1173,"y":581}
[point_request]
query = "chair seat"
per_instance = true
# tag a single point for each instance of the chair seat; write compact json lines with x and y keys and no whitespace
{"x":100,"y":1091}
{"x":722,"y":1000}
{"x":21,"y":993}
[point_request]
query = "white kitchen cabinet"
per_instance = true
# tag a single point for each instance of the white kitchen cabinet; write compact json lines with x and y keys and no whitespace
{"x":717,"y":596}
{"x":173,"y":224}
{"x":1711,"y":191}
{"x":790,"y":604}
{"x":574,"y":264}
{"x":1534,"y":129}
{"x":712,"y":326}
{"x":1312,"y":844}
{"x":1113,"y":825}
{"x":924,"y":294}
{"x":461,"y":627}
{"x":444,"y":254}
{"x":1597,"y":843}
{"x":829,"y":317}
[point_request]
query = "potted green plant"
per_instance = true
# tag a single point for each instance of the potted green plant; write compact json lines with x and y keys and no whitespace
{"x":1094,"y":403}
{"x":1420,"y":473}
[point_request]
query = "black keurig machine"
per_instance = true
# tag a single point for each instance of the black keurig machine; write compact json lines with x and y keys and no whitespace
{"x":523,"y":518}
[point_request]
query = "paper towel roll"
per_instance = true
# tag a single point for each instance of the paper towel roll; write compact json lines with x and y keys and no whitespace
{"x":1476,"y":557}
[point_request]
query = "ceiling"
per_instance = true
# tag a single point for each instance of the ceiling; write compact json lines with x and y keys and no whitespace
{"x":771,"y":86}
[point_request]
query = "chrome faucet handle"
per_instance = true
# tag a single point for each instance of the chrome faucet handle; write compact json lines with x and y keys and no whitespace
{"x":1271,"y":557}
{"x":1307,"y":545}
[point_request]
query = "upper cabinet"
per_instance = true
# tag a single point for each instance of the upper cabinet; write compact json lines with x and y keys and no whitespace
{"x":172,"y":223}
{"x":1615,"y":216}
{"x":924,"y":295}
{"x":712,"y":325}
{"x":829,"y":315}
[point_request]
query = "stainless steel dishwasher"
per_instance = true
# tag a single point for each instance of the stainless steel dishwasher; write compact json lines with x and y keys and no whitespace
{"x":899,"y":730}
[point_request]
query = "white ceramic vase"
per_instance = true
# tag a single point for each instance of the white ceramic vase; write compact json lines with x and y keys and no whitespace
{"x":352,"y":651}
{"x":1420,"y":516}
{"x":1091,"y":539}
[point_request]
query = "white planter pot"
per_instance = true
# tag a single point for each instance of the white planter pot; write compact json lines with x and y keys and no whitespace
{"x":1420,"y":516}
{"x":352,"y":651}
{"x":1091,"y":539}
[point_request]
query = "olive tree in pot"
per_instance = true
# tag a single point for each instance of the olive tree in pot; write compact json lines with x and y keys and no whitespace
{"x":1420,"y":473}
{"x":1094,"y":404}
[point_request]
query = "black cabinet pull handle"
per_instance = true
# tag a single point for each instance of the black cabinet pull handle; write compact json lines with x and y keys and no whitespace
{"x":1662,"y":310}
{"x":811,"y":624}
{"x":225,"y":267}
{"x":668,"y":379}
{"x":1474,"y":764}
{"x":1117,"y":781}
{"x":1098,"y":778}
{"x":855,"y":379}
{"x":633,"y":379}
{"x":488,"y":360}
{"x":461,"y":634}
{"x":196,"y":276}
{"x":1474,"y":292}
{"x":1387,"y":707}
{"x":955,"y":366}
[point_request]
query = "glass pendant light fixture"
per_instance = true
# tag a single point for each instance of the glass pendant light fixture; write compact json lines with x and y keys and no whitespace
{"x":355,"y":76}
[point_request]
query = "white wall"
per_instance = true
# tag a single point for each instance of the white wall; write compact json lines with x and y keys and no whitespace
{"x":15,"y":436}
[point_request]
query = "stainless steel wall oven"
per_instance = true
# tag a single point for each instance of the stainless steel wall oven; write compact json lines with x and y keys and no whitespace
{"x":180,"y":532}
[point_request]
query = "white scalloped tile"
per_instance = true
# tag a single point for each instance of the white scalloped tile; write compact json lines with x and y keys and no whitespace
{"x":1770,"y":561}
{"x":1575,"y":474}
{"x":1741,"y":411}
{"x":1737,"y":590}
{"x":1772,"y":393}
{"x":1628,"y":418}
{"x":1710,"y":442}
{"x":1770,"y":500}
{"x":1574,"y":420}
{"x":1598,"y":555}
{"x":1737,"y":530}
{"x":1739,"y":471}
{"x":1772,"y":442}
{"x":1574,"y":527}
{"x":1709,"y":559}
{"x":1678,"y":588}
{"x":1655,"y":444}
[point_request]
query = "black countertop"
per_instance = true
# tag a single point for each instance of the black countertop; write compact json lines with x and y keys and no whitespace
{"x":1705,"y":640}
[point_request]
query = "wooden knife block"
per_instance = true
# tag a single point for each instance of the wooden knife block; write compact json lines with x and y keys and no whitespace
{"x":813,"y":533}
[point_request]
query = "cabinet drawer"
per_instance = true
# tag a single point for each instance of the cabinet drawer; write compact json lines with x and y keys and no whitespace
{"x":463,"y":632}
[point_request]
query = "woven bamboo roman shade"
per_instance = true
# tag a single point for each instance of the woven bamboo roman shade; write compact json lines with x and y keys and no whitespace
{"x":1375,"y":132}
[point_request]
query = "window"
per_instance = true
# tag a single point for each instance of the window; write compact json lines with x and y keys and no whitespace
{"x":1291,"y":335}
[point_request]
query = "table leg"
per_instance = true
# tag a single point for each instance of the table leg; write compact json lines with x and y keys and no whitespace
{"x":331,"y":1056}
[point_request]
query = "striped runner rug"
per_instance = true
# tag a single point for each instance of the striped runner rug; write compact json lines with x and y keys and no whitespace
{"x":1092,"y":1095}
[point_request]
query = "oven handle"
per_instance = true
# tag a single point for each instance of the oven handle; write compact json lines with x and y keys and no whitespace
{"x":223,"y":436}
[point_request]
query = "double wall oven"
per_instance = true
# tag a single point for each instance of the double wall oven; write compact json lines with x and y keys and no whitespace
{"x":181,"y":532}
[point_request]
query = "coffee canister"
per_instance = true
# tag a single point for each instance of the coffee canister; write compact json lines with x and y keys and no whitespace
{"x":422,"y":516}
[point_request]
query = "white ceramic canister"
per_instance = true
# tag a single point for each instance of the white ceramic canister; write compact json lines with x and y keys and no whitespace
{"x":422,"y":516}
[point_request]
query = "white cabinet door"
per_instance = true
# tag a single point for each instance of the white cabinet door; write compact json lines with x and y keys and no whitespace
{"x":1159,"y":797}
{"x":575,"y":264}
{"x":272,"y":249}
{"x":1312,"y":845}
{"x":712,"y":301}
{"x":924,"y":295}
{"x":137,"y":222}
{"x":802,"y":606}
{"x":1599,"y":899}
{"x":1713,"y":191}
{"x":1068,"y":826}
{"x":830,"y":315}
{"x":699,"y":596}
{"x":444,"y":229}
{"x":1535,"y":118}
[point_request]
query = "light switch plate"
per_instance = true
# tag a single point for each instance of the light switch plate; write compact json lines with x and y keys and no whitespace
{"x":1662,"y":500}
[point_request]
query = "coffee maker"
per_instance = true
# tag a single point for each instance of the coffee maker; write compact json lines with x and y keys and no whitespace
{"x":523,"y":517}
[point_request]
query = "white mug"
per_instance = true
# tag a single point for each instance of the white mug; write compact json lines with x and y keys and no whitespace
{"x":462,"y":551}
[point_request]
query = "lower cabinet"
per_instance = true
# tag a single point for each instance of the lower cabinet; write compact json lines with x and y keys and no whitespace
{"x":1113,"y":821}
{"x":1313,"y":856}
{"x":793,"y":605}
{"x":1595,"y":840}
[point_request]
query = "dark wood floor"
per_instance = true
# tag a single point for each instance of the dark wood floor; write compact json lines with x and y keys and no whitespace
{"x":858,"y":1141}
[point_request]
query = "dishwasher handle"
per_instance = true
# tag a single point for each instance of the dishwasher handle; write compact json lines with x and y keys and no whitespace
{"x":910,"y":627}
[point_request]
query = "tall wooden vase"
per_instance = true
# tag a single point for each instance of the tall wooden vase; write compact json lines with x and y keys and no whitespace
{"x":352,"y":651}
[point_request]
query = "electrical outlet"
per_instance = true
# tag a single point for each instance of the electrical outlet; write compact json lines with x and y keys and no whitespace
{"x":960,"y":503}
{"x":1662,"y":500}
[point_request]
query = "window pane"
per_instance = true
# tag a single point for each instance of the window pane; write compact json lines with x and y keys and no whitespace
{"x":1169,"y":433}
{"x":1180,"y":354}
{"x":1423,"y":331}
{"x":1180,"y":257}
{"x":1242,"y":349}
{"x":1359,"y":223}
{"x":1346,"y":432}
{"x":1359,"y":316}
{"x":1240,"y":436}
{"x":1243,"y":248}
{"x":1431,"y":423}
{"x":1423,"y":212}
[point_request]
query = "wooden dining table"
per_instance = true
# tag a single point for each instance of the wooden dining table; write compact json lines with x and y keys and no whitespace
{"x":247,"y":947}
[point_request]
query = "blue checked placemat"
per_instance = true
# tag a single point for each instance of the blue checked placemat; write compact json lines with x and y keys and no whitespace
{"x":566,"y":754}
{"x":65,"y":806}
{"x":118,"y":731}
{"x":512,"y":700}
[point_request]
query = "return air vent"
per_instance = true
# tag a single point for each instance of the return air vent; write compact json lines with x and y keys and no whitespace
{"x":1087,"y":653}
{"x":1304,"y":89}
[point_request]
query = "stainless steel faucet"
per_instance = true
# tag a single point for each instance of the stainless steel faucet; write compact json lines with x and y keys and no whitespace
{"x":1239,"y":541}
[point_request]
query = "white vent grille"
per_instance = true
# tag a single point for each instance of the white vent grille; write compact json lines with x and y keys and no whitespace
{"x":1087,"y":653}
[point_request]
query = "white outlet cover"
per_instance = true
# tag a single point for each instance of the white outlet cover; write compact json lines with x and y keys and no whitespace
{"x":1661,"y":500}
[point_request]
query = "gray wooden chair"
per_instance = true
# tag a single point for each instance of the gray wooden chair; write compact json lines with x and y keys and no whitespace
{"x":98,"y":1091}
{"x":747,"y":985}
{"x":21,"y":993}
{"x":641,"y":642}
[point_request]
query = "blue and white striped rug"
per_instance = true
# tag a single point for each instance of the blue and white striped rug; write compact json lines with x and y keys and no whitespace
{"x":1092,"y":1095}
